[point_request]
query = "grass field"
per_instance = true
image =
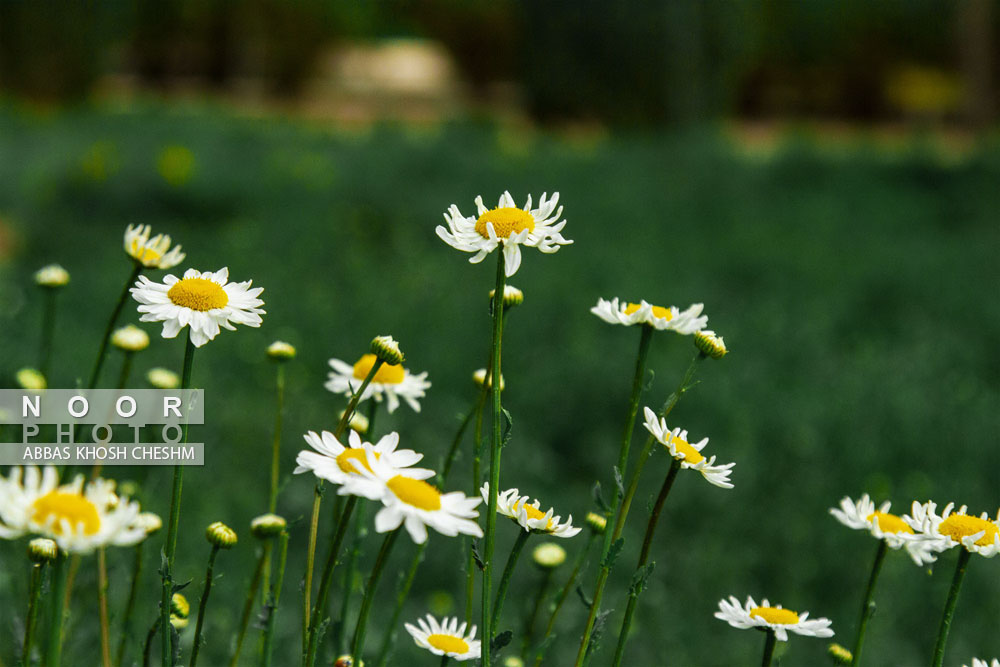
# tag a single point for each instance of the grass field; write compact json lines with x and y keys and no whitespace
{"x":855,"y":288}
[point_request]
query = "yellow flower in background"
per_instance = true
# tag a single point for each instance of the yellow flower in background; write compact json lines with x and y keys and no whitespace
{"x":175,"y":164}
{"x":152,"y":253}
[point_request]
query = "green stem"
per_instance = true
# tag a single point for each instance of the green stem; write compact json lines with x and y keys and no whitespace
{"x":126,"y":368}
{"x":358,"y":645}
{"x":133,"y":591}
{"x":57,"y":611}
{"x":198,"y":639}
{"x":276,"y":445}
{"x":308,"y":628}
{"x":48,"y":328}
{"x":470,"y":564}
{"x":508,"y":573}
{"x":444,"y":660}
{"x":102,"y":606}
{"x":449,"y":458}
{"x":529,"y":623}
{"x":390,"y":630}
{"x":360,"y":530}
{"x":622,"y":513}
{"x":275,"y":597}
{"x":868,"y":606}
{"x":172,"y":523}
{"x":37,"y":575}
{"x":647,"y":542}
{"x":768,"y":649}
{"x":949,"y":606}
{"x":564,"y":594}
{"x":147,"y":648}
{"x":495,"y":371}
{"x":102,"y":352}
{"x":249,"y":603}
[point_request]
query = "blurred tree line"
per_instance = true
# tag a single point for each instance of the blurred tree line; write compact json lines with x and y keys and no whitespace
{"x":628,"y":61}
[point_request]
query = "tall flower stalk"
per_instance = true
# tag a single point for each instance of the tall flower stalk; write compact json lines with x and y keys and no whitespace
{"x":220,"y":536}
{"x":868,"y":605}
{"x":563,"y":594}
{"x":274,"y":598}
{"x":133,"y":592}
{"x":41,"y":551}
{"x":102,"y":351}
{"x":57,"y":611}
{"x":358,"y":644}
{"x":949,"y":606}
{"x":508,"y":573}
{"x":769,"y":645}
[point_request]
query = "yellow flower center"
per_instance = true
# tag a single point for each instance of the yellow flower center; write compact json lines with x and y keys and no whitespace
{"x":658,"y":311}
{"x":687,"y":452}
{"x":533,"y":513}
{"x":958,"y":526}
{"x":415,"y":492}
{"x":890,"y":523}
{"x":386,"y":374}
{"x":144,"y":255}
{"x":506,"y":221}
{"x":775,"y":615}
{"x":345,"y":458}
{"x":448,"y":643}
{"x":198,"y":294}
{"x":56,"y":506}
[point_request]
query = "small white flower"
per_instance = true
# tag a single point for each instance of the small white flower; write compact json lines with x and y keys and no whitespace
{"x":529,"y":516}
{"x":659,"y":317}
{"x":446,"y":638}
{"x":152,"y":253}
{"x":979,"y":535}
{"x":391,"y":381}
{"x":79,"y":518}
{"x":882,"y":525}
{"x":690,"y":456}
{"x":52,"y":275}
{"x":203,"y":301}
{"x":507,"y":225}
{"x":766,"y":617}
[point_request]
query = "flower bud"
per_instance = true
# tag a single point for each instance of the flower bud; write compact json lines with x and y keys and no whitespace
{"x":387,"y":349}
{"x":710,"y":344}
{"x":511,"y":296}
{"x":513,"y":661}
{"x":179,"y":606}
{"x":267,"y":526}
{"x":162,"y":378}
{"x":348,"y":661}
{"x":220,"y":535}
{"x":279,"y":350}
{"x":177,"y":622}
{"x":597,"y":522}
{"x":31,"y":379}
{"x":130,"y":338}
{"x":52,"y":276}
{"x":42,"y":550}
{"x":548,"y":555}
{"x":358,"y":422}
{"x":839,"y":654}
{"x":479,"y":377}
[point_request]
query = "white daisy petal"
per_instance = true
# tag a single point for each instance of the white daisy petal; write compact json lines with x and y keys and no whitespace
{"x":776,"y":618}
{"x":391,"y":382}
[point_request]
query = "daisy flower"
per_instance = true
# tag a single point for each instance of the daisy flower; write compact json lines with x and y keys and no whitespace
{"x":391,"y":381}
{"x":79,"y":518}
{"x":668,"y":318}
{"x":690,"y":456}
{"x":203,"y":301}
{"x":336,"y":463}
{"x":980,"y":534}
{"x":882,"y":525}
{"x":152,"y":253}
{"x":411,"y":502}
{"x":529,"y":516}
{"x":445,"y":638}
{"x":508,"y":225}
{"x":976,"y":662}
{"x":765,"y":617}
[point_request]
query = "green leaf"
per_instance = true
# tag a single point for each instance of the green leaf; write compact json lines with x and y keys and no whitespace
{"x":640,"y":578}
{"x":613,"y":552}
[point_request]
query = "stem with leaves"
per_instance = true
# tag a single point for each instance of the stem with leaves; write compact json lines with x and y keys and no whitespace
{"x":274,"y":598}
{"x":198,"y":639}
{"x":35,"y":590}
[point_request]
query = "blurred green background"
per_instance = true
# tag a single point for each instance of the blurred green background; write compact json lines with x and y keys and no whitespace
{"x":843,"y":239}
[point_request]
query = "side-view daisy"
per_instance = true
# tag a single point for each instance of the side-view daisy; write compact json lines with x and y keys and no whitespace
{"x":152,"y":253}
{"x":529,"y":516}
{"x":668,"y":318}
{"x":411,"y":502}
{"x":391,"y":381}
{"x":336,"y":463}
{"x":765,"y":617}
{"x":507,"y":225}
{"x":445,"y":638}
{"x":79,"y":518}
{"x":205,"y":301}
{"x":883,"y":525}
{"x":690,"y":456}
{"x":979,"y":535}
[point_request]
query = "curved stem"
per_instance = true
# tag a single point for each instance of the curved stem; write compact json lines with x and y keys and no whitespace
{"x":274,"y":598}
{"x":564,"y":594}
{"x":198,"y":639}
{"x":249,"y":603}
{"x":37,"y":575}
{"x":768,"y":649}
{"x":57,"y":611}
{"x":133,"y":591}
{"x":949,"y":606}
{"x":868,"y":606}
{"x":103,"y":350}
{"x":102,"y":606}
{"x":358,"y":645}
{"x":491,"y":512}
{"x":647,"y":541}
{"x":147,"y":648}
{"x":508,"y":572}
{"x":276,"y":443}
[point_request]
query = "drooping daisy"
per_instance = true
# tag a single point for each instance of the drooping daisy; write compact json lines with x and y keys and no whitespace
{"x":203,"y":301}
{"x":687,"y":453}
{"x":765,"y":617}
{"x":882,"y":525}
{"x":411,"y":502}
{"x":659,"y":317}
{"x":152,"y":253}
{"x":508,"y":225}
{"x":336,"y":463}
{"x":391,"y":381}
{"x":979,"y":535}
{"x":529,"y":516}
{"x":445,"y":638}
{"x":79,"y":518}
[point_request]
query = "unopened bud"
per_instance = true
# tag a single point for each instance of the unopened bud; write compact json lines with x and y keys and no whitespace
{"x":479,"y":377}
{"x":162,"y":378}
{"x":42,"y":550}
{"x":387,"y":349}
{"x":548,"y":555}
{"x":511,"y":296}
{"x":51,"y":276}
{"x":267,"y":526}
{"x":839,"y":654}
{"x":32,"y":379}
{"x":279,"y":350}
{"x":220,"y":535}
{"x":130,"y":338}
{"x":597,"y":522}
{"x":710,"y":344}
